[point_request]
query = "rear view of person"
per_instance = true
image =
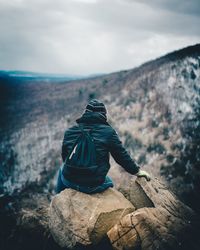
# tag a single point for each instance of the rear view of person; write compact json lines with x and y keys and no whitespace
{"x":85,"y":153}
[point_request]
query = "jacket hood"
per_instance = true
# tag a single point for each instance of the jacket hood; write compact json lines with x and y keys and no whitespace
{"x":92,"y":118}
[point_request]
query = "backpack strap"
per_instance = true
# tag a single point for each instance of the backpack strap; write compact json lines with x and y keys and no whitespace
{"x":81,"y":128}
{"x":83,"y":131}
{"x":87,"y":133}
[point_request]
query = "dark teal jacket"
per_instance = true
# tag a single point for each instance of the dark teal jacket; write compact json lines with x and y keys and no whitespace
{"x":106,"y":142}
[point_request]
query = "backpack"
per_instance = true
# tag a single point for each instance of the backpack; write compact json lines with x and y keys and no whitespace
{"x":81,"y":160}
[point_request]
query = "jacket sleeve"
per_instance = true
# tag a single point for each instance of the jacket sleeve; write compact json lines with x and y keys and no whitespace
{"x":64,"y":148}
{"x":121,"y":156}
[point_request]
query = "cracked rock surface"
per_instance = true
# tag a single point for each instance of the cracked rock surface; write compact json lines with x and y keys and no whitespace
{"x":76,"y":218}
{"x":160,"y":221}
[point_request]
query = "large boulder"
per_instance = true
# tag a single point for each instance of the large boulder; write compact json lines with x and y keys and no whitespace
{"x":161,"y":221}
{"x":77,"y":218}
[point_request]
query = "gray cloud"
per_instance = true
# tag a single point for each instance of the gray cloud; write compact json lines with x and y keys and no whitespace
{"x":91,"y":36}
{"x":186,"y":7}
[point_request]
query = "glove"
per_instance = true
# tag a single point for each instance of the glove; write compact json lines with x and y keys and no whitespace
{"x":143,"y":173}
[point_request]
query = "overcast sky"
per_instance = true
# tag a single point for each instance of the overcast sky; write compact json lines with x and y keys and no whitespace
{"x":93,"y":36}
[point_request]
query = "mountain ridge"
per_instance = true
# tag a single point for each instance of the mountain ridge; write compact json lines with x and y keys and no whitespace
{"x":177,"y":54}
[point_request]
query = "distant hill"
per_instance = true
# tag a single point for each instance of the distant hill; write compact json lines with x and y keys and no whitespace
{"x":20,"y":76}
{"x":154,"y":107}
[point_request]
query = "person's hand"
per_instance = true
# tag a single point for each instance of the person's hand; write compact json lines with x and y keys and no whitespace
{"x":143,"y":173}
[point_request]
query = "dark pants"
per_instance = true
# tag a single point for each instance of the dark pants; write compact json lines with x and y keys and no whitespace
{"x":62,"y":183}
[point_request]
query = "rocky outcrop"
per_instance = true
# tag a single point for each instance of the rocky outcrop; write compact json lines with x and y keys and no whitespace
{"x":77,"y":218}
{"x":161,"y":221}
{"x":155,"y":219}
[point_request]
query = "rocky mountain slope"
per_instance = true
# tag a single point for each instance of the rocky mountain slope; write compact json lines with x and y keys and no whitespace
{"x":154,"y":108}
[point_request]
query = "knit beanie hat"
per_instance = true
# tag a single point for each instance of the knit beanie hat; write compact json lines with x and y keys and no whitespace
{"x":96,"y":106}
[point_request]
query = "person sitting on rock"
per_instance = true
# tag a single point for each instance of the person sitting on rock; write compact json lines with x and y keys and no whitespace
{"x":105,"y":140}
